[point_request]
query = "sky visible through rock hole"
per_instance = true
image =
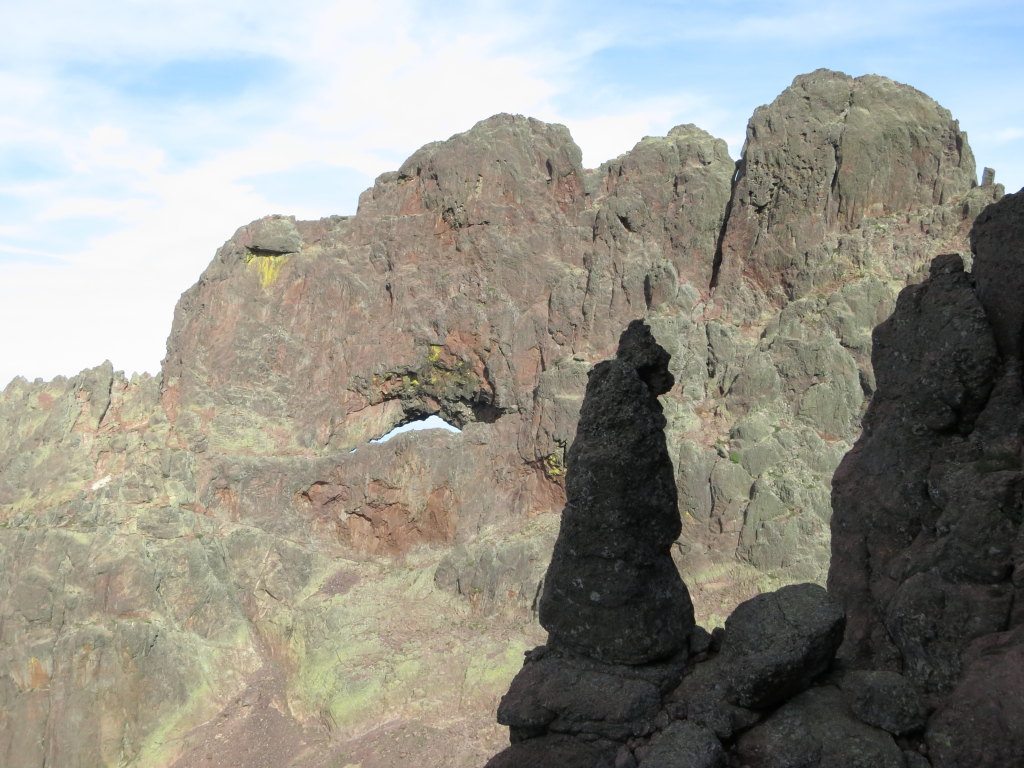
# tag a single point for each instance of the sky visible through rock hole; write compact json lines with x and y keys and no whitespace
{"x":135,"y":137}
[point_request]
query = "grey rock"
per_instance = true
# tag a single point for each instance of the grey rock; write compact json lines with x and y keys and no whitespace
{"x":996,"y":239}
{"x":558,"y":694}
{"x":935,"y":359}
{"x":703,"y":698}
{"x":928,"y":517}
{"x":557,"y":751}
{"x":816,"y":730}
{"x":829,"y":152}
{"x":778,"y":643}
{"x":683,"y":745}
{"x":884,"y":699}
{"x":272,"y":235}
{"x":981,"y":723}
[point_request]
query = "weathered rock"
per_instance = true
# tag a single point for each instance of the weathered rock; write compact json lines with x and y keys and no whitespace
{"x":479,"y":282}
{"x":935,"y":361}
{"x":273,"y":235}
{"x":829,"y":152}
{"x":996,"y":239}
{"x":560,"y":694}
{"x":557,"y":750}
{"x":884,"y":699}
{"x":816,"y":729}
{"x":778,"y":643}
{"x":703,"y":698}
{"x":683,"y":743}
{"x":612,"y":591}
{"x":981,"y":723}
{"x":928,"y":506}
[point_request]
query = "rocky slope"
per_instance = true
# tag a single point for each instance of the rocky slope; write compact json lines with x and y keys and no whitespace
{"x":220,"y":548}
{"x":927,"y":564}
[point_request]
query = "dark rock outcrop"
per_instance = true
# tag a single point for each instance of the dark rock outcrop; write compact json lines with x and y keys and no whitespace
{"x":928,"y":506}
{"x":929,"y":515}
{"x":778,"y":643}
{"x":612,"y":591}
{"x":634,"y":673}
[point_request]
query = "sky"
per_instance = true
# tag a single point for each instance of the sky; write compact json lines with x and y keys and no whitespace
{"x":137,"y":135}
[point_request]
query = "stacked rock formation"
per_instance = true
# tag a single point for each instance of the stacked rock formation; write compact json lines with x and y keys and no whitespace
{"x":616,"y":682}
{"x":168,"y":542}
{"x":612,"y":591}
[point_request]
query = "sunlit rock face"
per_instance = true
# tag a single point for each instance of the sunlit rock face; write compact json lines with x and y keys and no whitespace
{"x":164,"y":539}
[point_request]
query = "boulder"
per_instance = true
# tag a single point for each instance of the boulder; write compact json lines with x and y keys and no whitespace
{"x":560,"y":694}
{"x":683,"y":743}
{"x":816,"y":730}
{"x":884,"y":699}
{"x":778,"y":643}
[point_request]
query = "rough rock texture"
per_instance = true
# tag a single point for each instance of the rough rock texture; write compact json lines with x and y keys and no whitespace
{"x":165,"y":542}
{"x":817,"y":728}
{"x":828,"y":153}
{"x":765,"y":667}
{"x":684,"y":704}
{"x":683,"y":743}
{"x":926,"y":548}
{"x":929,"y":514}
{"x":612,"y":591}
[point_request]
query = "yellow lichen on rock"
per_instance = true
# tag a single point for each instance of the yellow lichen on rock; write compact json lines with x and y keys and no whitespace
{"x":267,"y":267}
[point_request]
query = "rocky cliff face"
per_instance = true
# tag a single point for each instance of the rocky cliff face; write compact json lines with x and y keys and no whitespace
{"x":173,"y":548}
{"x":926,"y":565}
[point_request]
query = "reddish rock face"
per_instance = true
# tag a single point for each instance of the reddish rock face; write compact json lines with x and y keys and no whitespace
{"x":480,"y":282}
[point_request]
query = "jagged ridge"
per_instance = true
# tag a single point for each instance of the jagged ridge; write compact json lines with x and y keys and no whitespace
{"x":192,"y":528}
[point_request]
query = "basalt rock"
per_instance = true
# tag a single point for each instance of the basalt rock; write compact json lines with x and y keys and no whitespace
{"x":612,"y":591}
{"x":624,"y":671}
{"x":926,"y":561}
{"x":928,"y":511}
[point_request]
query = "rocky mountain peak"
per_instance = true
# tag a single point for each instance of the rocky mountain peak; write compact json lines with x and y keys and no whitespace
{"x":174,"y":549}
{"x":828,"y":153}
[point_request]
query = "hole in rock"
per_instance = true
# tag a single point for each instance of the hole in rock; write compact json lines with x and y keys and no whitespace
{"x":430,"y":422}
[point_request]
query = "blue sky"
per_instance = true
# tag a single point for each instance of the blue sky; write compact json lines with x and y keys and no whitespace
{"x":137,"y":135}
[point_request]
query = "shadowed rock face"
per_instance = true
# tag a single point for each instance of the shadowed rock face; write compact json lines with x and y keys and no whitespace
{"x":926,"y":552}
{"x":612,"y":591}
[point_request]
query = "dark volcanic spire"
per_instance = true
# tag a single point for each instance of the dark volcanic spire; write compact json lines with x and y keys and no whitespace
{"x":612,"y":591}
